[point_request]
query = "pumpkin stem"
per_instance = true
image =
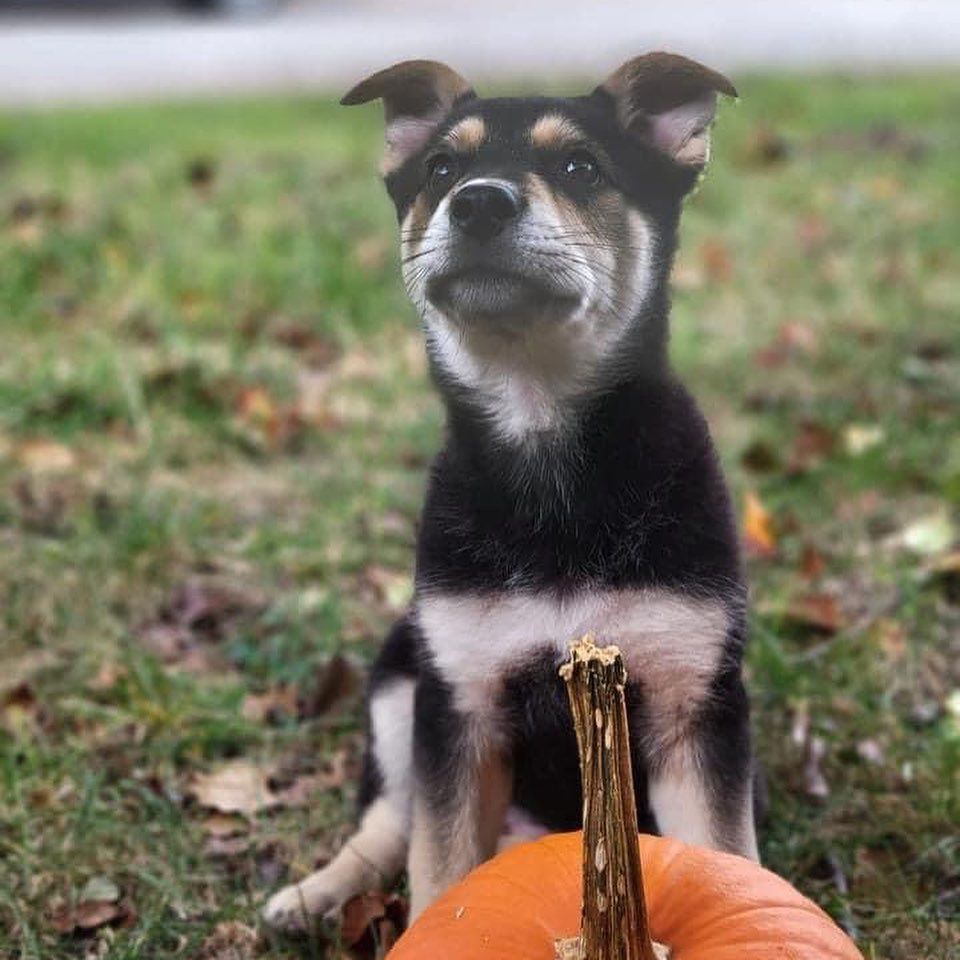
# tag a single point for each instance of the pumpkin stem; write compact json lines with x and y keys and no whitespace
{"x":614,"y":921}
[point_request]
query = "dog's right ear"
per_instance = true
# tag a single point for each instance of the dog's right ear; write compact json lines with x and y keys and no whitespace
{"x":417,"y":95}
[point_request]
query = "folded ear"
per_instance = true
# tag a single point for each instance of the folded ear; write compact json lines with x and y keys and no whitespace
{"x":671,"y":101}
{"x":417,"y":95}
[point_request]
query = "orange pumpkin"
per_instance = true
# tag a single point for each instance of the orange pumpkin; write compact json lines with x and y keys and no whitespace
{"x":702,"y":904}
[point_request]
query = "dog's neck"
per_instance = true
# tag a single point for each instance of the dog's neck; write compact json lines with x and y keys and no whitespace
{"x":510,"y":396}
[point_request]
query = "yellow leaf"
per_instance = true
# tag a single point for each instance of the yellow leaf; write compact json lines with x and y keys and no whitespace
{"x":758,"y":526}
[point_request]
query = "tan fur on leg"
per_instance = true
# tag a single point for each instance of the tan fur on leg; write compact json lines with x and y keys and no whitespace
{"x":370,"y":859}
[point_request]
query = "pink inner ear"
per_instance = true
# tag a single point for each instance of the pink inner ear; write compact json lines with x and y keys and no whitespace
{"x":684,"y":131}
{"x":406,"y":136}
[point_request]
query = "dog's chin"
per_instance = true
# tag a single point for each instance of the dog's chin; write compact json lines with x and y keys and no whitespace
{"x":498,"y":299}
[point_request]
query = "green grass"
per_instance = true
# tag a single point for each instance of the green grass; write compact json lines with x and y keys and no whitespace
{"x":202,"y":319}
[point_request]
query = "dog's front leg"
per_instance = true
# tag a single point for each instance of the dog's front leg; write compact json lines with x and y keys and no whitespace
{"x":463,"y":789}
{"x":701,"y":770}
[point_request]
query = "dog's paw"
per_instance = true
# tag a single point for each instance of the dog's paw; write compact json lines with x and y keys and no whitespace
{"x":299,"y":907}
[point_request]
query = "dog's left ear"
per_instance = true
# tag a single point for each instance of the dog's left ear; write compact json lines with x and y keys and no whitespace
{"x":417,"y":95}
{"x":670,"y":101}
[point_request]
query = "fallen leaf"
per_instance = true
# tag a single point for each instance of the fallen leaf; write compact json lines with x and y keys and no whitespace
{"x":814,"y":782}
{"x":274,"y":706}
{"x":390,"y":588}
{"x":812,"y":444}
{"x":225,"y":825}
{"x":758,"y":533}
{"x":764,"y":147}
{"x":858,"y":438}
{"x":928,"y":535}
{"x":717,"y":260}
{"x":792,"y":339}
{"x":45,"y":456}
{"x":339,"y":679}
{"x":260,"y":419}
{"x":230,"y":940}
{"x":871,"y":752}
{"x":370,"y":923}
{"x":248,"y":788}
{"x":200,"y":613}
{"x":819,"y":611}
{"x":21,"y":713}
{"x":100,"y":888}
{"x":201,"y":172}
{"x":90,"y":915}
{"x":238,"y":787}
{"x":812,"y":564}
{"x":227,"y":846}
{"x":760,"y":457}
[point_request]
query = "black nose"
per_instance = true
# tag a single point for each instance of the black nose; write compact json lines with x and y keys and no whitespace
{"x":482,"y":210}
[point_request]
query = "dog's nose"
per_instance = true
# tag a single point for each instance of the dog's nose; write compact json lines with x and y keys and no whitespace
{"x":482,"y":210}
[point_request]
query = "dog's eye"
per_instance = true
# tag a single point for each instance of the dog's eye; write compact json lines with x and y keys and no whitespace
{"x":442,"y":168}
{"x":582,"y":167}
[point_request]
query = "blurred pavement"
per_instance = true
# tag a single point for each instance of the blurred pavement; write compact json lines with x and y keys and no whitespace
{"x":311,"y":46}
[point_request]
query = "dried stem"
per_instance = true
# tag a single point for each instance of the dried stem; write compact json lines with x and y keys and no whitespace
{"x":614,"y":921}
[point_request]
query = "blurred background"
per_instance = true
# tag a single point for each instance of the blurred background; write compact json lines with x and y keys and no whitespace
{"x":76,"y":50}
{"x":215,"y":426}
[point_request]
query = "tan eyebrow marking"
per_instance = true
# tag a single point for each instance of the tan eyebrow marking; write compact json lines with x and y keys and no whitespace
{"x":554,"y":130}
{"x":468,"y":134}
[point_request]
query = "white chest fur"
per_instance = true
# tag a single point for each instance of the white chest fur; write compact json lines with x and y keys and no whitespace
{"x":671,"y":644}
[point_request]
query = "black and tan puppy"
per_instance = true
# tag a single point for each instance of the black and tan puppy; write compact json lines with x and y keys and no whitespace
{"x":578,"y":490}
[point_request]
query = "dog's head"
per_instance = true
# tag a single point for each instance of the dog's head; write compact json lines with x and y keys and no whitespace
{"x":537,"y":233}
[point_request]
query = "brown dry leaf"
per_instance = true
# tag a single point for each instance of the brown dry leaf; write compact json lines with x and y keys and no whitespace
{"x":370,"y":923}
{"x":391,"y":588}
{"x":266,"y":423}
{"x":238,"y":787}
{"x":338,"y":680}
{"x":813,"y":443}
{"x":274,"y":706}
{"x":45,"y":456}
{"x":758,"y":534}
{"x":812,"y":563}
{"x":301,"y":792}
{"x":230,"y":940}
{"x":210,"y":606}
{"x":227,"y":846}
{"x":225,"y":825}
{"x":199,"y":613}
{"x":717,"y":260}
{"x":21,"y":713}
{"x":818,"y":611}
{"x":792,"y":339}
{"x":764,"y":147}
{"x":91,"y":915}
{"x":247,"y":788}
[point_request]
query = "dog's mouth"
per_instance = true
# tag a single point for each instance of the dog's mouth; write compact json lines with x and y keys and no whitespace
{"x":480,"y":293}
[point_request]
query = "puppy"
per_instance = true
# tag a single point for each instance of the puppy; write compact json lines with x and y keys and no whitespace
{"x":578,"y":489}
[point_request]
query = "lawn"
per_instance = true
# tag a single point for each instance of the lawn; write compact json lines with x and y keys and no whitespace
{"x":215,"y":424}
